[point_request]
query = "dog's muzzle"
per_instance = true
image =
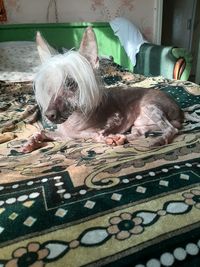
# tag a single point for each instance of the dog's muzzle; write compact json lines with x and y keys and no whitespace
{"x":55,"y":116}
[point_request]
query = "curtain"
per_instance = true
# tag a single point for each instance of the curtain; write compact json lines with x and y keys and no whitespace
{"x":3,"y":16}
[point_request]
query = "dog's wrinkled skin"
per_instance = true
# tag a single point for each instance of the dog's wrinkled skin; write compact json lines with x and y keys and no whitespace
{"x":94,"y":112}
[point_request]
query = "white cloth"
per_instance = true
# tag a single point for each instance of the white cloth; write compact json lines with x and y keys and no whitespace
{"x":129,"y":35}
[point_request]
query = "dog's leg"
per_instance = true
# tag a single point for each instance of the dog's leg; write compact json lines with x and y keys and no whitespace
{"x":168,"y":128}
{"x":152,"y":119}
{"x":113,"y":125}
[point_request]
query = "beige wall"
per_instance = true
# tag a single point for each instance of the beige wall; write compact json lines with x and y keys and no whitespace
{"x":141,"y":12}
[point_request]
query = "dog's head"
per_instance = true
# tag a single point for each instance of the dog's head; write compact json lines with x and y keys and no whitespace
{"x":67,"y":82}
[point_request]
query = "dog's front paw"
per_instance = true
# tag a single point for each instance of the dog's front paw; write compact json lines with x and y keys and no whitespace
{"x":35,"y":142}
{"x":31,"y":146}
{"x":116,"y":140}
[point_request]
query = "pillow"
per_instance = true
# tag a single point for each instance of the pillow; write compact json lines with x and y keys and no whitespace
{"x":19,"y":61}
{"x":129,"y":35}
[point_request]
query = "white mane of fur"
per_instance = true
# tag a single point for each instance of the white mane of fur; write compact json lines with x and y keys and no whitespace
{"x":53,"y":73}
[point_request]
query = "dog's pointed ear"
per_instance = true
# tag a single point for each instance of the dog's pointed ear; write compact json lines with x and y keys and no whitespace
{"x":44,"y":49}
{"x":88,"y":47}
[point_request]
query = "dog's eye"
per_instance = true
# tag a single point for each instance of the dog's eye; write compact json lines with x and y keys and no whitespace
{"x":71,"y":84}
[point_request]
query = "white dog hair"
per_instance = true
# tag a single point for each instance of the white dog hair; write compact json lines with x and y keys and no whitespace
{"x":53,"y":74}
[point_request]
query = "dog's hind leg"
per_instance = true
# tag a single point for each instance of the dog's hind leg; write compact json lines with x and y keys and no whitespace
{"x":153,"y":119}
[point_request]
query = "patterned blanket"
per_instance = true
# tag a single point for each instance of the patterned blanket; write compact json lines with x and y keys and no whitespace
{"x":80,"y":203}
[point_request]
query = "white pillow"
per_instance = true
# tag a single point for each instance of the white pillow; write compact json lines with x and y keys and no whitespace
{"x":129,"y":35}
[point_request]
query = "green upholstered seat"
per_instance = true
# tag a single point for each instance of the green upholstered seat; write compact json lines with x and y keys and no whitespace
{"x":156,"y":60}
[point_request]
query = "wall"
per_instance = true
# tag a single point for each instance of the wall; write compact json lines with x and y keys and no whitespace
{"x":141,"y":12}
{"x":177,"y":16}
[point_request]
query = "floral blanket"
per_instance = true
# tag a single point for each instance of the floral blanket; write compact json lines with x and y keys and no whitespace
{"x":80,"y":203}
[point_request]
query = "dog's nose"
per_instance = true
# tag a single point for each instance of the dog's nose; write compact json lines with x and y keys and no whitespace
{"x":51,"y":115}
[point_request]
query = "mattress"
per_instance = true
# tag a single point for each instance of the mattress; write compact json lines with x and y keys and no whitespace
{"x":81,"y":203}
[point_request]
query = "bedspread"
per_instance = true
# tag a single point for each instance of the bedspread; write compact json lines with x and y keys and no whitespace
{"x":80,"y":203}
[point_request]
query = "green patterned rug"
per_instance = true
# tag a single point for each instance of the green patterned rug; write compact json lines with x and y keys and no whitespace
{"x":81,"y":203}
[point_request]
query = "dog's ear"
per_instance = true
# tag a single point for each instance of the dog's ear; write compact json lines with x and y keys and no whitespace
{"x":88,"y":47}
{"x":44,"y":49}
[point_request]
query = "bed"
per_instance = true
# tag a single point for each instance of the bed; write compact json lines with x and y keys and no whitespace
{"x":80,"y":203}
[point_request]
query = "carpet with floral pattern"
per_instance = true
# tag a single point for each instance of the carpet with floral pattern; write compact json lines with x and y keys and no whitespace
{"x":80,"y":203}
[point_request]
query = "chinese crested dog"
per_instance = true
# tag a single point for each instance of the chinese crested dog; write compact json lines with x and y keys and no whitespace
{"x":70,"y":94}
